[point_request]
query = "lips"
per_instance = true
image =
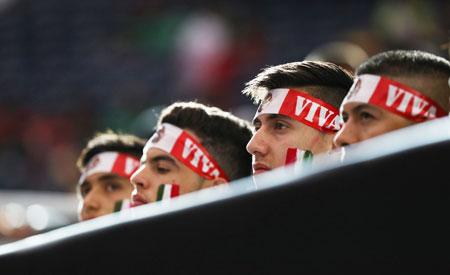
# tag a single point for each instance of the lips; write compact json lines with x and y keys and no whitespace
{"x":259,"y":168}
{"x":137,"y":200}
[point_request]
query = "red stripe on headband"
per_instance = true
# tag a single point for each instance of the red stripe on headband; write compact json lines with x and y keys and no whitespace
{"x":196,"y":157}
{"x":405,"y":101}
{"x":124,"y":165}
{"x":310,"y":111}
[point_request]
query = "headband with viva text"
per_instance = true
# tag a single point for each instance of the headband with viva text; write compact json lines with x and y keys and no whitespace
{"x":186,"y":149}
{"x":302,"y":107}
{"x":394,"y":97}
{"x":121,"y":164}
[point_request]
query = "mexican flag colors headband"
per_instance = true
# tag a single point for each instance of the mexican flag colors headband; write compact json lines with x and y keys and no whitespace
{"x":121,"y":164}
{"x":302,"y":107}
{"x":394,"y":97}
{"x":186,"y":149}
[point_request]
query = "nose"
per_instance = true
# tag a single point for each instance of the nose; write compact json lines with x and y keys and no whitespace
{"x":257,"y":145}
{"x":348,"y":134}
{"x":91,"y":202}
{"x":139,"y":180}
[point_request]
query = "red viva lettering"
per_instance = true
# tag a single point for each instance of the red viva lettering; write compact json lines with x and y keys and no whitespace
{"x":409,"y":103}
{"x":196,"y":158}
{"x":310,"y":111}
{"x":404,"y":101}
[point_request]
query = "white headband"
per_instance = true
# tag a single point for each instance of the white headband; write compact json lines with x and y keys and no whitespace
{"x":111,"y":162}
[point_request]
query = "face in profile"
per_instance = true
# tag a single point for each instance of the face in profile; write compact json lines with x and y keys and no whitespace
{"x":159,"y":167}
{"x":275,"y":133}
{"x":99,"y":192}
{"x":363,"y":121}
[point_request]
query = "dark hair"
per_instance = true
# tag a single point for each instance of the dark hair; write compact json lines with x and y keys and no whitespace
{"x":324,"y":80}
{"x":110,"y":141}
{"x":224,"y":135}
{"x":405,"y":63}
{"x":426,"y":72}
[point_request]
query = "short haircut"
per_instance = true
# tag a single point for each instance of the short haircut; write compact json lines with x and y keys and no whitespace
{"x":323,"y":80}
{"x":428,"y":72}
{"x":110,"y":141}
{"x":222,"y":134}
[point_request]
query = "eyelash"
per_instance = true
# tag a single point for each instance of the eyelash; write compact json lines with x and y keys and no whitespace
{"x":344,"y":118}
{"x":84,"y":191}
{"x":162,"y":170}
{"x":114,"y":187}
{"x":366,"y":115}
{"x":280,"y":125}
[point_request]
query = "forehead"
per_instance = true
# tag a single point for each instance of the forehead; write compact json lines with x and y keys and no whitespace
{"x":152,"y":153}
{"x":104,"y":176}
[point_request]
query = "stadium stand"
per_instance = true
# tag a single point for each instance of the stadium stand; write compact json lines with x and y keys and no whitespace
{"x":383,"y":210}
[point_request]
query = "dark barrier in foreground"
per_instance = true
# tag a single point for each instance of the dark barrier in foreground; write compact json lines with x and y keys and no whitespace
{"x":382,"y":215}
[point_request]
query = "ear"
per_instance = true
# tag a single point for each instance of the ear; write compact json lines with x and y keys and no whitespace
{"x":219,"y":181}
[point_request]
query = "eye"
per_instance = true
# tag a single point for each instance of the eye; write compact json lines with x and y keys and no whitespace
{"x":344,"y":117}
{"x":112,"y":186}
{"x":162,"y":170}
{"x":280,"y":125}
{"x":366,"y":116}
{"x":257,"y":125}
{"x":84,"y":190}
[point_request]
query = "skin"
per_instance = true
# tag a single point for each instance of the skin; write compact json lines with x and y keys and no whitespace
{"x":363,"y":121}
{"x":99,"y":193}
{"x":274,"y":134}
{"x":159,"y":167}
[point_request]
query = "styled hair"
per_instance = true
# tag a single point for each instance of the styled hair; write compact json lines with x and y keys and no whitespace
{"x":222,"y":134}
{"x":405,"y":63}
{"x":110,"y":141}
{"x":428,"y":73}
{"x":323,"y":80}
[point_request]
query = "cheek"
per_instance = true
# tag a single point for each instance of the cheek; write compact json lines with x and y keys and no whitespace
{"x":187,"y":181}
{"x":381,"y":127}
{"x":124,"y":193}
{"x":279,"y":152}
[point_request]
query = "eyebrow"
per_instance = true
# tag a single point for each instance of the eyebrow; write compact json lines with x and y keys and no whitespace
{"x":109,"y":177}
{"x":271,"y":117}
{"x":364,"y":106}
{"x":101,"y":178}
{"x":163,"y":158}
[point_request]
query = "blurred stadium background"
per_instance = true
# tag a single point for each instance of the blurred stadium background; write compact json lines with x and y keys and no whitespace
{"x":71,"y":68}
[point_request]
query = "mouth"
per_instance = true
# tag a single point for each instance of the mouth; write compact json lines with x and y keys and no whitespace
{"x":137,"y":200}
{"x":259,"y":168}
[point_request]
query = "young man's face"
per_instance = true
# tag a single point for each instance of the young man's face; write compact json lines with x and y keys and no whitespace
{"x":99,"y":193}
{"x":159,"y":167}
{"x":363,"y":121}
{"x":275,"y":134}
